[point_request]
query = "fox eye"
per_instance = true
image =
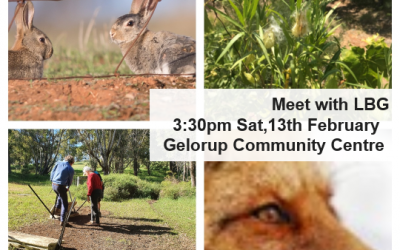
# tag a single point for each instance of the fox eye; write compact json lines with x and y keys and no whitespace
{"x":130,"y":23}
{"x":41,"y":40}
{"x":271,"y":214}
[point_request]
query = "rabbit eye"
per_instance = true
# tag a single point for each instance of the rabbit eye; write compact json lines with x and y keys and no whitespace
{"x":130,"y":23}
{"x":42,"y":40}
{"x":271,"y":214}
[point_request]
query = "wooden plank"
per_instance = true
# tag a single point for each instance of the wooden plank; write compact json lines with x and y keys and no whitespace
{"x":27,"y":246}
{"x":33,"y":240}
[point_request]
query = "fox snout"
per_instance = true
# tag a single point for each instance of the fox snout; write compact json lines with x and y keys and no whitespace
{"x":272,"y":206}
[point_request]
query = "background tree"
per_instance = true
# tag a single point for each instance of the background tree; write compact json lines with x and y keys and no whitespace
{"x":44,"y":147}
{"x":99,"y":144}
{"x":192,"y":166}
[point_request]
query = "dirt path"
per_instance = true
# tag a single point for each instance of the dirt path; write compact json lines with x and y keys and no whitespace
{"x":360,"y":21}
{"x":113,"y":233}
{"x":89,"y":100}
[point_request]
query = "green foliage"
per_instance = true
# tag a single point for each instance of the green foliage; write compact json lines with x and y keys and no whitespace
{"x":174,"y":190}
{"x":370,"y":65}
{"x":120,"y":187}
{"x":258,"y":47}
{"x":81,"y":191}
{"x":17,"y":177}
{"x":149,"y":189}
{"x":286,"y":44}
{"x":25,"y":169}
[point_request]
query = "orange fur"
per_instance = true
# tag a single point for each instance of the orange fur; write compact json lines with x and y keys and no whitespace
{"x":298,"y":190}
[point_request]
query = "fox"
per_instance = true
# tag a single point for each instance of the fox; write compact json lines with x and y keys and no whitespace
{"x":272,"y":206}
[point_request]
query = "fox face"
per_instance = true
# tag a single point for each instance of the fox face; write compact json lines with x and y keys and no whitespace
{"x":271,"y":206}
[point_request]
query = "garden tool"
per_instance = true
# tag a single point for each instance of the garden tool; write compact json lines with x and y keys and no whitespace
{"x":58,"y":247}
{"x":71,"y":198}
{"x":41,"y":201}
{"x":81,"y":205}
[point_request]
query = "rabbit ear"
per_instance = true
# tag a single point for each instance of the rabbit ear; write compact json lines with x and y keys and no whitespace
{"x":19,"y":22}
{"x":29,"y":11}
{"x":143,"y":7}
{"x":135,"y":7}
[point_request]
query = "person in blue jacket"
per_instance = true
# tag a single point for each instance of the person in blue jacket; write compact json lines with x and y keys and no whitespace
{"x":61,"y":177}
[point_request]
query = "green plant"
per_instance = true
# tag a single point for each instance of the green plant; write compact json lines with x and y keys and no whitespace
{"x":148,"y":190}
{"x":285,"y":44}
{"x":175,"y":190}
{"x":369,"y":67}
{"x":25,"y":169}
{"x":257,"y":47}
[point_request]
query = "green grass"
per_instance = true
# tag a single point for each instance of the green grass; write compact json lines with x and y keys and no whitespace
{"x":71,"y":62}
{"x":132,"y":209}
{"x":179,"y":214}
{"x":25,"y":209}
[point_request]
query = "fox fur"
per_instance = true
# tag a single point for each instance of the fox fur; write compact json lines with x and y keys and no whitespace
{"x":272,"y":206}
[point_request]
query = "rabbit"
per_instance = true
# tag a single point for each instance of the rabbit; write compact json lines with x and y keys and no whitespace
{"x":154,"y":52}
{"x":31,"y":48}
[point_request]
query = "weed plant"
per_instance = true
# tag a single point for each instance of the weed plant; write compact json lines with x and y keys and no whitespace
{"x":255,"y":44}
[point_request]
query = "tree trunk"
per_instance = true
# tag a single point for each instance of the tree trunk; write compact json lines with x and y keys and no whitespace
{"x":9,"y":162}
{"x":192,"y":174}
{"x":170,"y":166}
{"x":148,"y":168}
{"x":105,"y":167}
{"x":135,"y":167}
{"x":184,"y":171}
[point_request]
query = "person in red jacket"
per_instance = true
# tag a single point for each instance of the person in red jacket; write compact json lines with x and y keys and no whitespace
{"x":94,"y":193}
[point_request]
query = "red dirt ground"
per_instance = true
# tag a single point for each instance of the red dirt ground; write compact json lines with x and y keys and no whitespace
{"x":113,"y":233}
{"x":87,"y":99}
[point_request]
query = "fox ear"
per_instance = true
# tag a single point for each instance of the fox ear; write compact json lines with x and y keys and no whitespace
{"x":29,"y":11}
{"x":19,"y":22}
{"x":143,"y":7}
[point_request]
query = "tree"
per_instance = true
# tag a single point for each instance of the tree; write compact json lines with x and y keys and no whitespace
{"x":44,"y":147}
{"x":139,"y":141}
{"x":192,"y":166}
{"x":99,"y":144}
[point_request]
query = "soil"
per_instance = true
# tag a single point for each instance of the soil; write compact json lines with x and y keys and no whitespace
{"x":87,"y":99}
{"x":113,"y":233}
{"x":360,"y":21}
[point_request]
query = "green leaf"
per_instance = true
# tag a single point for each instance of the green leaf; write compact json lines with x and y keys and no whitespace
{"x":207,"y":24}
{"x":227,"y":17}
{"x":358,"y":85}
{"x":284,"y":1}
{"x":260,"y":42}
{"x":230,"y":45}
{"x":298,"y":5}
{"x":330,"y":72}
{"x":238,"y":13}
{"x":348,"y":69}
{"x":333,"y":30}
{"x":253,"y":8}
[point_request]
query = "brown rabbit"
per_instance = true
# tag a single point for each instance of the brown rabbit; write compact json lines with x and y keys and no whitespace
{"x":31,"y":48}
{"x":159,"y":53}
{"x":271,"y":206}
